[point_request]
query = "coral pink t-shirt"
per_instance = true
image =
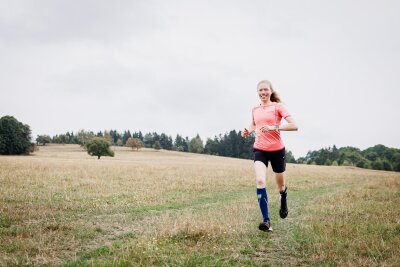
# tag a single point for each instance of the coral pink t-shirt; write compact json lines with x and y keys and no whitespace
{"x":269,"y":115}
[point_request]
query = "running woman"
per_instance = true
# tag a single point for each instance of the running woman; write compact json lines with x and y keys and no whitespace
{"x":268,"y":146}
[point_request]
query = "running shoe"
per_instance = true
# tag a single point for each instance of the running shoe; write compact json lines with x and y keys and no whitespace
{"x":283,"y":211}
{"x":265,"y":226}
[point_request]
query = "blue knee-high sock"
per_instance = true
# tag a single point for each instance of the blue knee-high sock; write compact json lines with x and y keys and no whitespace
{"x":263,"y":201}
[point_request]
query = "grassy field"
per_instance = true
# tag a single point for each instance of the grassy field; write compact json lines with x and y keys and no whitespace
{"x":61,"y":207}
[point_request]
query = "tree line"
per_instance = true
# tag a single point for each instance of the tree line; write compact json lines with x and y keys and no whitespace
{"x":378,"y":157}
{"x":230,"y":144}
{"x":127,"y":138}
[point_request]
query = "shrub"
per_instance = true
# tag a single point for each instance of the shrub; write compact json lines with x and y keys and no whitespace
{"x":15,"y":137}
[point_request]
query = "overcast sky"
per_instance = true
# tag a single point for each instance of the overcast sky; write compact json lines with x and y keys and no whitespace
{"x":192,"y":67}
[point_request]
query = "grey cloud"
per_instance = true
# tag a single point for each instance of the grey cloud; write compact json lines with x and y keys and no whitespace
{"x":191,"y":66}
{"x":59,"y":21}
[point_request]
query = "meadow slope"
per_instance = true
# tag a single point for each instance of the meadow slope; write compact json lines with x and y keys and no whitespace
{"x":61,"y":207}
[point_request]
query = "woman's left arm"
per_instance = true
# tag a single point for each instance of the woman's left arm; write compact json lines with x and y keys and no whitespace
{"x":290,"y":126}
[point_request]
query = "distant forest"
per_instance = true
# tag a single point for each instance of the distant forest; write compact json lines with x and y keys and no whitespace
{"x":232,"y":144}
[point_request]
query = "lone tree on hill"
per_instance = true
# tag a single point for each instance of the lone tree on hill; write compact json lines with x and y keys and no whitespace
{"x":98,"y":146}
{"x":43,"y":139}
{"x":15,"y":137}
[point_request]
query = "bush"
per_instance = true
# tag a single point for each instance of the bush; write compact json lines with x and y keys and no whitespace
{"x":15,"y":137}
{"x":386,"y":165}
{"x":33,"y":148}
{"x":363,"y":163}
{"x":347,"y":163}
{"x":377,"y":165}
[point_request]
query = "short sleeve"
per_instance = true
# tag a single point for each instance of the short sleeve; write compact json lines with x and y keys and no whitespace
{"x":283,"y":111}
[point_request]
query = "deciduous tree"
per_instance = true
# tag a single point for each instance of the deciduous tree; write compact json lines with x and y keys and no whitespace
{"x":98,"y":146}
{"x":134,"y":143}
{"x":43,"y":139}
{"x":15,"y":137}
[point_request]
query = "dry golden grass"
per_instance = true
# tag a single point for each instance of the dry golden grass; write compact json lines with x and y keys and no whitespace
{"x":61,"y":206}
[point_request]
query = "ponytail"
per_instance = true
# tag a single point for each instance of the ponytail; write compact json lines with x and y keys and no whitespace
{"x":275,"y":97}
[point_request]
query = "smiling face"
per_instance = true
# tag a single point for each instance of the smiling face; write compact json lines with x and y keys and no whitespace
{"x":264,"y":91}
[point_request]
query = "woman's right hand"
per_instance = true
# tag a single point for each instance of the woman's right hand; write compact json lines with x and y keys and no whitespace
{"x":245,"y":132}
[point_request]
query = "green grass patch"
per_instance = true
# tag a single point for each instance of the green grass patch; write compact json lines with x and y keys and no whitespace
{"x":351,"y":227}
{"x":5,"y":221}
{"x":201,"y":199}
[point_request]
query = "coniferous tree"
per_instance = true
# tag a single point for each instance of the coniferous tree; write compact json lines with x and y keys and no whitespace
{"x":126,"y":136}
{"x":157,"y":145}
{"x":148,"y":140}
{"x":179,"y":143}
{"x":166,"y":141}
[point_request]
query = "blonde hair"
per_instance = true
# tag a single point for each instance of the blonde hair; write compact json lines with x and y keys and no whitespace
{"x":274,"y":95}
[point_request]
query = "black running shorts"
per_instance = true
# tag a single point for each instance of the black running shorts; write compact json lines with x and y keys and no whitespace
{"x":277,"y":159}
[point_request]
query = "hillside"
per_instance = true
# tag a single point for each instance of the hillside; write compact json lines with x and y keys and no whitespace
{"x":62,"y":207}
